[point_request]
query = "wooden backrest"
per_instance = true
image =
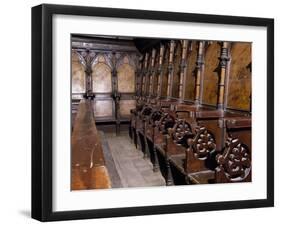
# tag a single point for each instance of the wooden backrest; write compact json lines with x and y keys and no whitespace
{"x":239,"y":85}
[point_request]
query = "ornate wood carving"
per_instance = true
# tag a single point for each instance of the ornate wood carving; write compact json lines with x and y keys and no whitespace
{"x":167,"y":121}
{"x":155,"y":116}
{"x":110,"y":78}
{"x":197,"y":70}
{"x":203,"y":143}
{"x":234,"y":163}
{"x":181,"y":132}
{"x":89,"y":56}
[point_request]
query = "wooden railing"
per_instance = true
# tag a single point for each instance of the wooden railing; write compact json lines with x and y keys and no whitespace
{"x":88,"y":164}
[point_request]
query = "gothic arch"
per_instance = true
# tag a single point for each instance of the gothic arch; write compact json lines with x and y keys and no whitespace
{"x":78,"y":73}
{"x":101,"y":74}
{"x":125,"y":75}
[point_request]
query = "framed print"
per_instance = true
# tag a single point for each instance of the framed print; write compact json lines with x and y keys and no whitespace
{"x":147,"y":112}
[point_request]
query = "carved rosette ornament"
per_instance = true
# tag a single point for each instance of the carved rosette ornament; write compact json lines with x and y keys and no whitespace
{"x":203,"y":143}
{"x":146,"y":111}
{"x":181,"y":132}
{"x":235,"y":162}
{"x":166,"y":122}
{"x":155,"y":116}
{"x":139,"y":105}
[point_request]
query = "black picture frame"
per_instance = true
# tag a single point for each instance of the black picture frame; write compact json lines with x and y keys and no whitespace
{"x":42,"y":111}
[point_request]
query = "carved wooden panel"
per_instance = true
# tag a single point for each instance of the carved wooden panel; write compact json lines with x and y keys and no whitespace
{"x":239,"y":90}
{"x":211,"y":76}
{"x":103,"y":108}
{"x":165,"y":72}
{"x":78,"y":74}
{"x":126,"y":78}
{"x":126,"y":106}
{"x":101,"y":77}
{"x":176,"y":70}
{"x":190,"y":71}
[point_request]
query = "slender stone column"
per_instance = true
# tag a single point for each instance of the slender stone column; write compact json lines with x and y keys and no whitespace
{"x":199,"y":69}
{"x":171,"y":69}
{"x":145,"y":77}
{"x":224,"y":58}
{"x":139,"y":79}
{"x":88,"y":73}
{"x":151,"y":72}
{"x":182,"y":86}
{"x":160,"y":71}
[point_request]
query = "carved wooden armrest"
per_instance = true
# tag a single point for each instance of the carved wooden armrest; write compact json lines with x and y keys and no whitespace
{"x":203,"y":143}
{"x":155,"y":116}
{"x":237,"y":123}
{"x":181,"y":132}
{"x":209,"y":114}
{"x":235,"y":162}
{"x":167,"y":121}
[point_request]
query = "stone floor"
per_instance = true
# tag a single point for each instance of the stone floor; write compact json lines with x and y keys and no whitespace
{"x":133,"y":170}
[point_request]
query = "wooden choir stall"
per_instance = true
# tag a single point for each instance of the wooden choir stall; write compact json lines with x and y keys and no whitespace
{"x":182,"y":108}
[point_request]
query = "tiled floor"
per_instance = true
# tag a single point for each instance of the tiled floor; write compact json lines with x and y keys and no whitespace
{"x":133,"y":169}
